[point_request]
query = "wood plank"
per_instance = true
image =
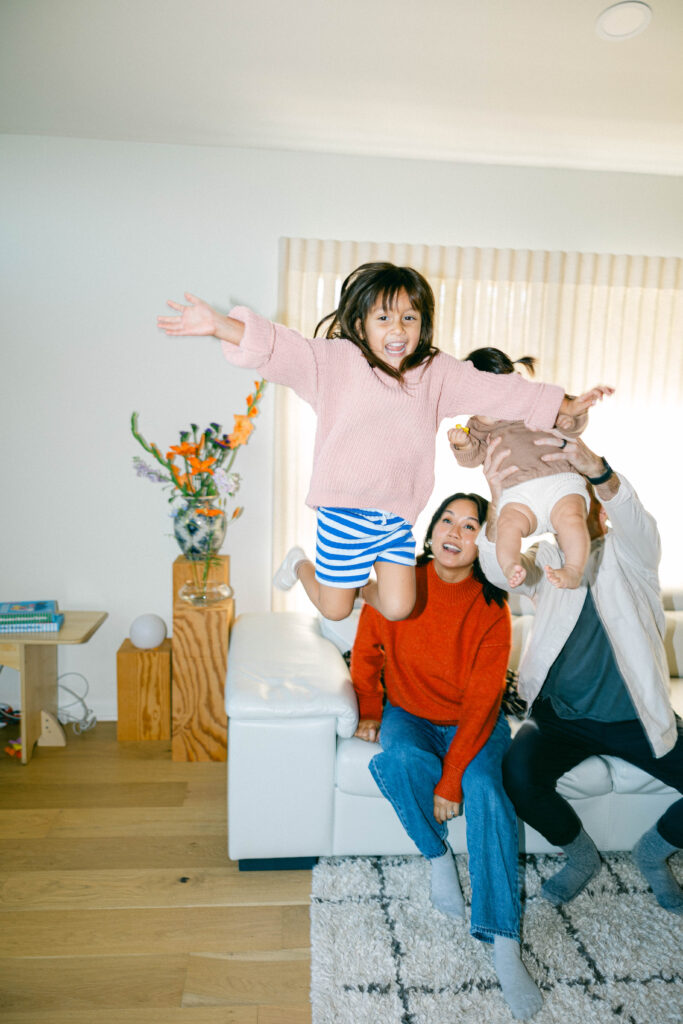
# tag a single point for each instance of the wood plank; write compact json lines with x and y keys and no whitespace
{"x":277,"y":977}
{"x":205,"y":887}
{"x":63,"y":983}
{"x":55,"y":764}
{"x":136,"y":931}
{"x":153,"y":1015}
{"x":138,"y":794}
{"x":50,"y":853}
{"x":129,"y":822}
{"x":284,"y":1014}
{"x":28,"y":824}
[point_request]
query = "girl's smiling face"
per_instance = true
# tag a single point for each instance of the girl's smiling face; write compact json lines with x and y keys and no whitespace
{"x":393,"y":333}
{"x":454,"y":539}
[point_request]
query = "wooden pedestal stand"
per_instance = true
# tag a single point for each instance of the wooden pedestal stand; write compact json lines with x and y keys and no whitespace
{"x":144,"y":692}
{"x":199,"y":663}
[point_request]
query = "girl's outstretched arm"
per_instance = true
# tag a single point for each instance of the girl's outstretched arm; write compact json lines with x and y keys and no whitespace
{"x":575,"y":406}
{"x":200,"y":319}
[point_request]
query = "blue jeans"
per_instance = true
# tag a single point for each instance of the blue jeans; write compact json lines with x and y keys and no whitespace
{"x":407,"y":772}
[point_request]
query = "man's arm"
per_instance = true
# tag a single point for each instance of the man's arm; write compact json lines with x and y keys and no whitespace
{"x":634,"y":528}
{"x":586,"y":462}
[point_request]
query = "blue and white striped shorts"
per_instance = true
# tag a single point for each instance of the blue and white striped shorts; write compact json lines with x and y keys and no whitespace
{"x":351,"y":540}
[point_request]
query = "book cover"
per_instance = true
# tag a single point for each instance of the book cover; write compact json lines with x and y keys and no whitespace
{"x":28,"y":611}
{"x":52,"y":626}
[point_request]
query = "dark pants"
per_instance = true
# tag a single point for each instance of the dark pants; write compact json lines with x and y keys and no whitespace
{"x":547,"y":746}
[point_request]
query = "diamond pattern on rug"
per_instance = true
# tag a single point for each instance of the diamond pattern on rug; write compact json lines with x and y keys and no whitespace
{"x":381,"y":954}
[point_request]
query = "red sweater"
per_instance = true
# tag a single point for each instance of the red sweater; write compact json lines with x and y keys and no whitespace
{"x":446,"y":662}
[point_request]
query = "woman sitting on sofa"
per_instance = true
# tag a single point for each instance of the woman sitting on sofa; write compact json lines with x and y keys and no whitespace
{"x":443,"y":733}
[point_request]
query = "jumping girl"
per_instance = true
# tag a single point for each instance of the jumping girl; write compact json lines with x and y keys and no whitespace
{"x":540,"y":496}
{"x":380,"y":389}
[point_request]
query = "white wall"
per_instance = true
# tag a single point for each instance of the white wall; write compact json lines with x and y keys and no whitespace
{"x":98,"y":235}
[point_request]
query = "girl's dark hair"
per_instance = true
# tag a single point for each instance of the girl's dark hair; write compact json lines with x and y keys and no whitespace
{"x":382,"y":281}
{"x":490,"y":592}
{"x":492,"y":360}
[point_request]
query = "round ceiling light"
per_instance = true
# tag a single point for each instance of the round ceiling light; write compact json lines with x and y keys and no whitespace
{"x":623,"y":20}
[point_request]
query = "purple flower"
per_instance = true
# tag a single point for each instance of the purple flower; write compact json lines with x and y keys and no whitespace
{"x":143,"y":470}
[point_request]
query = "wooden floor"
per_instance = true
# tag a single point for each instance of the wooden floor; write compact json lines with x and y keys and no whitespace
{"x":119,"y":904}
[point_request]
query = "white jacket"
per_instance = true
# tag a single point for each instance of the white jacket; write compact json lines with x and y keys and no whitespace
{"x":622,"y":574}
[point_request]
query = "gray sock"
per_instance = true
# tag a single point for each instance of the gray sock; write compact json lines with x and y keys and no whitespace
{"x":583,"y":863}
{"x":651,"y":853}
{"x":519,"y":989}
{"x":446,"y":894}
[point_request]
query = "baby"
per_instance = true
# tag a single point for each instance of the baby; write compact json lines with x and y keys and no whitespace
{"x":540,"y":496}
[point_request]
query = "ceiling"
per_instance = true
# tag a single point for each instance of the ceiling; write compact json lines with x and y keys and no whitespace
{"x":502,"y":81}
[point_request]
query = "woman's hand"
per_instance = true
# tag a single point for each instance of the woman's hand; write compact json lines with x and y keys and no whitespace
{"x":445,"y":810}
{"x":368,"y":729}
{"x":494,"y":471}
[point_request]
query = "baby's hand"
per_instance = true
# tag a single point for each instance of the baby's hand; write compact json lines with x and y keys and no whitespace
{"x":564,"y":422}
{"x":575,"y":406}
{"x":459,"y":437}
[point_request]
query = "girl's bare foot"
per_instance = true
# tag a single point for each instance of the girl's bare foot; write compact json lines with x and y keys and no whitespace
{"x":566,"y":578}
{"x":515,"y":574}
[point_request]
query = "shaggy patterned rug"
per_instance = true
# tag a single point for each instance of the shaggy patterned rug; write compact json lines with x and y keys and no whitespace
{"x":381,"y":954}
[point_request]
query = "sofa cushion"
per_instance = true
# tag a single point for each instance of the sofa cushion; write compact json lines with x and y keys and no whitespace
{"x":590,"y":778}
{"x":626,"y":778}
{"x":673,"y":643}
{"x":280,"y":666}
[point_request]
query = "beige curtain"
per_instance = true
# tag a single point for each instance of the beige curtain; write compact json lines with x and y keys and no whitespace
{"x":588,"y":318}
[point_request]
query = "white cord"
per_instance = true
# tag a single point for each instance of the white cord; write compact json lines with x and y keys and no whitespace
{"x":87,"y":719}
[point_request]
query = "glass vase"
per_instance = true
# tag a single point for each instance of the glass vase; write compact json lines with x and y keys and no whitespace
{"x":203,"y":594}
{"x":199,"y":527}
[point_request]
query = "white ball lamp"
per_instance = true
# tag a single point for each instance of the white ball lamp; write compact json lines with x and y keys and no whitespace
{"x":147,"y":631}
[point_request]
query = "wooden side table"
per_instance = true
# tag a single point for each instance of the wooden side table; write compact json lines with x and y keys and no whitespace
{"x":34,"y":656}
{"x":199,"y":723}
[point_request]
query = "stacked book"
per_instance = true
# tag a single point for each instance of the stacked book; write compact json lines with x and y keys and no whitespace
{"x":30,"y":617}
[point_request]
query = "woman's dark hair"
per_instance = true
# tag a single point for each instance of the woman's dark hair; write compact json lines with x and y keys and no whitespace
{"x":374,"y":282}
{"x":490,"y":592}
{"x":492,"y":360}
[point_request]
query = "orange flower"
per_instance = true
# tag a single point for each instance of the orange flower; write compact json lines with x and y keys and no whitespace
{"x":185,"y":449}
{"x":209,"y":512}
{"x":181,"y":479}
{"x":201,"y":465}
{"x":242,"y":431}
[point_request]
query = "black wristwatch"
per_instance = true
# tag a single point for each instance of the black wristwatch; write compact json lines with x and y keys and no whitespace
{"x":595,"y":480}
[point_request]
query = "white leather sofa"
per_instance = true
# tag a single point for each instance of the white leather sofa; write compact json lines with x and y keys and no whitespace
{"x":298,"y":781}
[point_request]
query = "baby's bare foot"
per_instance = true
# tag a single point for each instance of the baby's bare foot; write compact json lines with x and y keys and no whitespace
{"x":515,"y":574}
{"x":566,"y":578}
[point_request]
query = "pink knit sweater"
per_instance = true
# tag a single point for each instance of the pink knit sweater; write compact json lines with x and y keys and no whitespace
{"x":374,"y":443}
